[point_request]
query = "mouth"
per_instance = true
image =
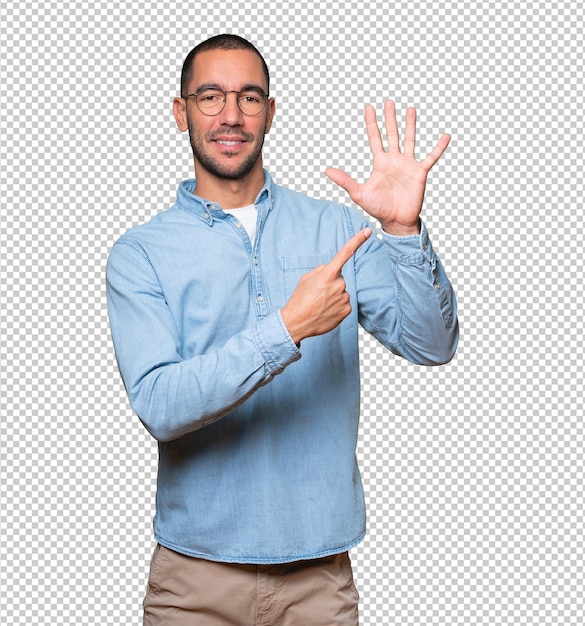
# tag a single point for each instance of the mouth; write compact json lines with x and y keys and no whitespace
{"x":229,"y":142}
{"x":229,"y":145}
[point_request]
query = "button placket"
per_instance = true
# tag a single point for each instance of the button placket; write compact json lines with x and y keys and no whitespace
{"x":258,"y":295}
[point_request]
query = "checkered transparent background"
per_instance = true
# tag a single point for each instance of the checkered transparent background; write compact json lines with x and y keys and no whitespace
{"x":474,"y":470}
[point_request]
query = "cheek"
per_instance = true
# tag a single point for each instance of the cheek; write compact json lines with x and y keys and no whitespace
{"x":265,"y":126}
{"x":196,"y":130}
{"x":268,"y":121}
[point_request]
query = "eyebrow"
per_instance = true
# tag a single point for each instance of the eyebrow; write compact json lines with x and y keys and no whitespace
{"x":249,"y":87}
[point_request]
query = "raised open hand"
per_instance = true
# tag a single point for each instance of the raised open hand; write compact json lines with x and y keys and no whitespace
{"x":395,"y":190}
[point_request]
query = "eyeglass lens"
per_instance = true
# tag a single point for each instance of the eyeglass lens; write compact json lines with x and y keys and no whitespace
{"x":212,"y":101}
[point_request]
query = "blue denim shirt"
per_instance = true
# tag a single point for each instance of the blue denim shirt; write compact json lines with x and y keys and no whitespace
{"x":257,"y":436}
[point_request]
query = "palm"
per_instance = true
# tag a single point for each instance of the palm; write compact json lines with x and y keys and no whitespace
{"x":395,"y":190}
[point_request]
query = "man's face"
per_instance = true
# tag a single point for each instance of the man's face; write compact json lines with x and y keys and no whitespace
{"x":227,"y":145}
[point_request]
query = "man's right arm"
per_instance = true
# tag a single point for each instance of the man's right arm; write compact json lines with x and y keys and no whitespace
{"x":171,"y":395}
{"x":174,"y":396}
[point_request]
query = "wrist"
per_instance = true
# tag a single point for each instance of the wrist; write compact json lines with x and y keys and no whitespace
{"x":293,"y":328}
{"x":401,"y":230}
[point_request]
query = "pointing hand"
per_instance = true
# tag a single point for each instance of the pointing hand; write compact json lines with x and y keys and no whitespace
{"x":320,"y":303}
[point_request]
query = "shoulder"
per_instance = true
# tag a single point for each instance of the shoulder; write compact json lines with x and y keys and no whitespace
{"x":142,"y":243}
{"x":165,"y":224}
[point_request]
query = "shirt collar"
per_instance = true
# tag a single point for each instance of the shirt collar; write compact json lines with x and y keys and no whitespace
{"x":207,"y":211}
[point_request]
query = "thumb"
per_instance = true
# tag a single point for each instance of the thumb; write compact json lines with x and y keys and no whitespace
{"x":340,"y":178}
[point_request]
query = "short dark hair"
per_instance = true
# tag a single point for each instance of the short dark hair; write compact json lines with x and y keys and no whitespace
{"x":218,"y":42}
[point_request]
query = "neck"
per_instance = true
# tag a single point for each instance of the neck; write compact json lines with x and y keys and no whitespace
{"x":228,"y":193}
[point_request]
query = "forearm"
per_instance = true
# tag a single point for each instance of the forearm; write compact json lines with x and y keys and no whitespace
{"x":176,"y":398}
{"x":428,"y":332}
{"x":174,"y":386}
{"x":408,"y":303}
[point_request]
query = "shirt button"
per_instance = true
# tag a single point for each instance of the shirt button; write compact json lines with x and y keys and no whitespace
{"x":260,"y":298}
{"x":206,"y":216}
{"x":239,"y":224}
{"x":255,"y":261}
{"x":437,"y":286}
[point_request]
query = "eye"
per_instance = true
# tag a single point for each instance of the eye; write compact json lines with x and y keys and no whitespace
{"x":210,"y":97}
{"x":250,"y":97}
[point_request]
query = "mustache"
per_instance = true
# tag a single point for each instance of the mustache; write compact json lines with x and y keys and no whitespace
{"x":226,"y":131}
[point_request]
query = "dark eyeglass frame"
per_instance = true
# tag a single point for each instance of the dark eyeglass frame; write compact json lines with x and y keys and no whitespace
{"x":255,"y":90}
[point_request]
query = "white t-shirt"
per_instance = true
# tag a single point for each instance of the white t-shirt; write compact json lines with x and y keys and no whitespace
{"x":247,"y":216}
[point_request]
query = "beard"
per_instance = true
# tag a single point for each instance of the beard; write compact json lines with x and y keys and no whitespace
{"x":223,"y":170}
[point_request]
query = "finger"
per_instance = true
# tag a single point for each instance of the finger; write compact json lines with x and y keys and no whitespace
{"x":374,"y":135}
{"x":410,"y":132}
{"x":436,"y":152}
{"x":343,"y":180}
{"x":348,"y":249}
{"x":391,"y":126}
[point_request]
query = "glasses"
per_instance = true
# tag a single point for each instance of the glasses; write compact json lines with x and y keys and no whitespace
{"x":212,"y":101}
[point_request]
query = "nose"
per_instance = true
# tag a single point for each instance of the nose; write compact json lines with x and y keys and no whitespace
{"x":231,"y":113}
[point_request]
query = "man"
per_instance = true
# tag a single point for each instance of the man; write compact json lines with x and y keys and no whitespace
{"x":234,"y":316}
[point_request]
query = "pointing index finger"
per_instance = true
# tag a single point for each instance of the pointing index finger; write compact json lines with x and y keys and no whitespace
{"x":348,"y":249}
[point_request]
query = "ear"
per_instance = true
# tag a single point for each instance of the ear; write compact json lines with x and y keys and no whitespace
{"x":180,"y":113}
{"x":270,"y":114}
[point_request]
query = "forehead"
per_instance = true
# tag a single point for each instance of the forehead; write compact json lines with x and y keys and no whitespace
{"x":230,"y":69}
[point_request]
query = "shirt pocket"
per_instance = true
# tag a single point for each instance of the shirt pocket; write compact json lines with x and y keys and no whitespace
{"x":293,"y":267}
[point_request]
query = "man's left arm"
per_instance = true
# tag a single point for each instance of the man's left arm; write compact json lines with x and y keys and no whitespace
{"x":404,"y":297}
{"x":419,"y":319}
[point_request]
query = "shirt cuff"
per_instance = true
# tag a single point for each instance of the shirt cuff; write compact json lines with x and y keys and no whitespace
{"x":275,"y":344}
{"x":410,"y":249}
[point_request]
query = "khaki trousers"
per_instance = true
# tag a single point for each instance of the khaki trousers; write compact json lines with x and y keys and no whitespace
{"x":186,"y":591}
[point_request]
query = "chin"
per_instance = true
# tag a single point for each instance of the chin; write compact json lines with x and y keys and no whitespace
{"x":227,"y":172}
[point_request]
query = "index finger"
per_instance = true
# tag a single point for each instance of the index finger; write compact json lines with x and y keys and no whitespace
{"x":348,"y":249}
